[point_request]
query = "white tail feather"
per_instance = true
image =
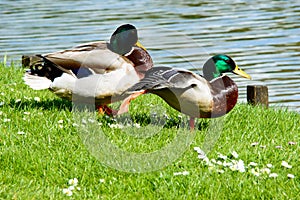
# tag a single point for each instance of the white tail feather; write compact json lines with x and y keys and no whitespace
{"x":37,"y":82}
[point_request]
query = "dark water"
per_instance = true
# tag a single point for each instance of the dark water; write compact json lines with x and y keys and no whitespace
{"x":262,"y":36}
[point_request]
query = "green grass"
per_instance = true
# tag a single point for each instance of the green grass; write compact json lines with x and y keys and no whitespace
{"x":57,"y":143}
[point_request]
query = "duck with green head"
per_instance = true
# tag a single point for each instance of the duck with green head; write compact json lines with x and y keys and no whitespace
{"x":208,"y":96}
{"x":100,"y":70}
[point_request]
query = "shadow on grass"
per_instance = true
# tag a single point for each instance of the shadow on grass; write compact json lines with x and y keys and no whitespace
{"x":140,"y":118}
{"x":166,"y":122}
{"x":51,"y":104}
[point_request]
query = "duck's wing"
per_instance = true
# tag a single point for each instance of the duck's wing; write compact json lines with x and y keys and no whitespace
{"x":95,"y":56}
{"x":160,"y":80}
{"x":166,"y":77}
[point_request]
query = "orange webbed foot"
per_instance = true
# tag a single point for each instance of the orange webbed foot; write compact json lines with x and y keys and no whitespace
{"x":105,"y":110}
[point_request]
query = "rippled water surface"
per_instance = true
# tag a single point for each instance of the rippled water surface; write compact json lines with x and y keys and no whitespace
{"x":262,"y":36}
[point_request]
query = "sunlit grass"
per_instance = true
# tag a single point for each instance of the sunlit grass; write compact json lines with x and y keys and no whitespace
{"x":42,"y":154}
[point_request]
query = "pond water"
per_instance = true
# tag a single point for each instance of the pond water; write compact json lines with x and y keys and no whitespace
{"x":262,"y":36}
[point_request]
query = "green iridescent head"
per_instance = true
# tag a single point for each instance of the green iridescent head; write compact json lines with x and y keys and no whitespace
{"x":219,"y":64}
{"x":123,"y":39}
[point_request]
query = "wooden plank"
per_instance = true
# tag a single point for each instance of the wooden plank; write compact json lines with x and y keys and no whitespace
{"x":258,"y":95}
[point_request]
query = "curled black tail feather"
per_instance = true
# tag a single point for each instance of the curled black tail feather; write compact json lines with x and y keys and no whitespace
{"x":49,"y":69}
{"x":41,"y":66}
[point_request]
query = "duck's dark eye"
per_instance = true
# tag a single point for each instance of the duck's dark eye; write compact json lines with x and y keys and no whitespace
{"x":227,"y":61}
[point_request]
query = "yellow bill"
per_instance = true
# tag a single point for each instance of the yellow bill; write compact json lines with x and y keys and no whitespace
{"x":138,"y":44}
{"x":240,"y":72}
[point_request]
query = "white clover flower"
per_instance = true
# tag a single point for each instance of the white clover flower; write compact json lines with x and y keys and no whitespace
{"x":241,"y":166}
{"x":67,"y":192}
{"x":91,"y":120}
{"x":233,"y":168}
{"x":254,"y":172}
{"x":234,"y":154}
{"x":60,"y":121}
{"x":197,"y":149}
{"x":102,"y":180}
{"x":286,"y":165}
{"x":166,"y":116}
{"x":75,"y":125}
{"x":21,"y":133}
{"x":238,"y":166}
{"x":227,"y":164}
{"x":72,"y":187}
{"x":211,"y":167}
{"x":234,"y":161}
{"x":278,"y":147}
{"x":253,"y":164}
{"x":207,"y":161}
{"x":273,"y":175}
{"x":137,"y":125}
{"x":291,"y":176}
{"x":201,"y":154}
{"x":254,"y":144}
{"x":37,"y":99}
{"x":120,"y":126}
{"x":185,"y":173}
{"x":213,"y":161}
{"x":6,"y":120}
{"x":219,"y":162}
{"x":222,"y":156}
{"x":263,"y":146}
{"x":269,"y":165}
{"x":292,"y":143}
{"x":78,"y":188}
{"x":265,"y":171}
{"x":73,"y":181}
{"x":220,"y":171}
{"x":26,"y":113}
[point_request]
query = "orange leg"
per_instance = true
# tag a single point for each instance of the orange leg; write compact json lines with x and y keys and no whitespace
{"x":192,"y":123}
{"x":104,"y":109}
{"x":125,"y":104}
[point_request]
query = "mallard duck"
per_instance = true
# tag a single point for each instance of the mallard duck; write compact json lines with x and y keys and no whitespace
{"x":208,"y":96}
{"x":98,"y":70}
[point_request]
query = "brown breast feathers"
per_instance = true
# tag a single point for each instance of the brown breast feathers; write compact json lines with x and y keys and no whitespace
{"x":225,"y":95}
{"x":142,"y":61}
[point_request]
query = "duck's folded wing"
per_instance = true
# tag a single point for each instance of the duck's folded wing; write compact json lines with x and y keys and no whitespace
{"x":167,"y":77}
{"x":95,"y":56}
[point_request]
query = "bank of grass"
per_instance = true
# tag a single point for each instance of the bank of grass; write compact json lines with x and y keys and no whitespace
{"x":41,"y":149}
